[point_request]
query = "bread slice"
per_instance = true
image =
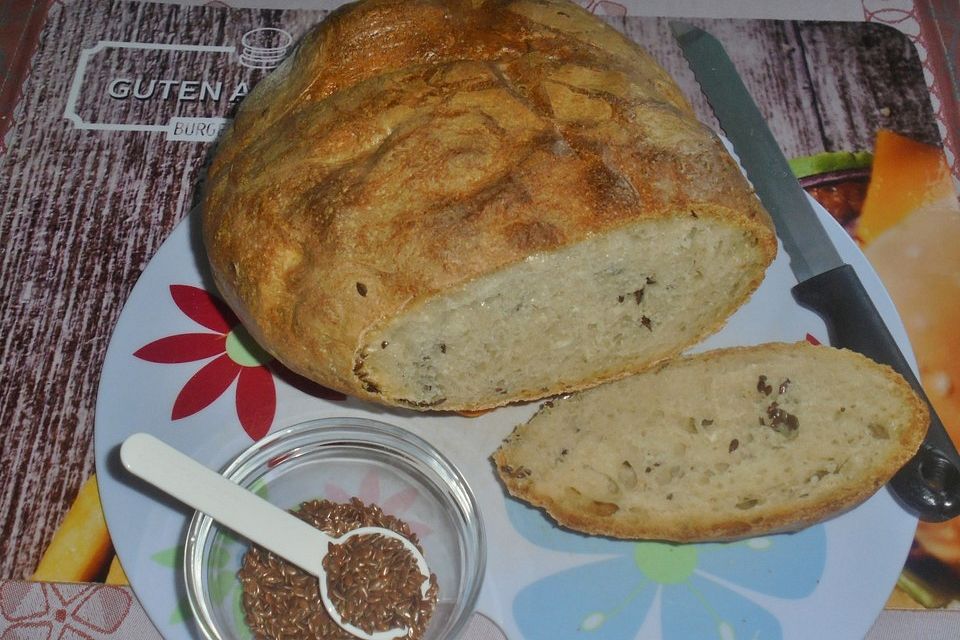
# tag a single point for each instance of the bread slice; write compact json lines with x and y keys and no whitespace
{"x":726,"y":444}
{"x":458,"y":204}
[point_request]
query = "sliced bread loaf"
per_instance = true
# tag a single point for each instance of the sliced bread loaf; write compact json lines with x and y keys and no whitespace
{"x":730,"y":443}
{"x":455,"y":204}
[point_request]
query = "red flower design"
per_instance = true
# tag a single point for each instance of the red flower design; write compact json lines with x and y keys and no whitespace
{"x":235,"y":357}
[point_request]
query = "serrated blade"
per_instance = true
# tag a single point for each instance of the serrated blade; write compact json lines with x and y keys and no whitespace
{"x":929,"y":484}
{"x":804,"y":238}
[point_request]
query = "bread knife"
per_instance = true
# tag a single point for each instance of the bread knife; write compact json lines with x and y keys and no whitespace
{"x":928,"y":486}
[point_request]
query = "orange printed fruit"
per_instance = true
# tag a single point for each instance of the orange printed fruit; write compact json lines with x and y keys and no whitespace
{"x":910,"y":225}
{"x":906,"y":175}
{"x":918,"y":261}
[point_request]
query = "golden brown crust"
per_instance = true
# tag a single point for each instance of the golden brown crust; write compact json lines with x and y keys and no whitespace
{"x":409,"y":147}
{"x":585,"y":515}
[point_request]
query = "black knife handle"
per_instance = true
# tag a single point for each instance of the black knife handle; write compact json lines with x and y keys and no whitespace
{"x":929,"y":485}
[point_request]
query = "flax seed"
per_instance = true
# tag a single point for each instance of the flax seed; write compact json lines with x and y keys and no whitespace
{"x":373,"y":580}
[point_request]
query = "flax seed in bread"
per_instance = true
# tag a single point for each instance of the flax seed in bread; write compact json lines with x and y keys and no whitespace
{"x":726,"y":444}
{"x":458,"y":204}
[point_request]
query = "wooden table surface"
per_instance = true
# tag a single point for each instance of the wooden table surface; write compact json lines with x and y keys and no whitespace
{"x":84,"y":211}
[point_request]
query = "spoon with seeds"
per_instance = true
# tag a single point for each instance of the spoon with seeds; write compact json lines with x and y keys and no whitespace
{"x":254,"y":518}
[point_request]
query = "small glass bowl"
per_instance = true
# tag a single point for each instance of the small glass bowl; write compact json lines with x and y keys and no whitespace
{"x":332,"y":458}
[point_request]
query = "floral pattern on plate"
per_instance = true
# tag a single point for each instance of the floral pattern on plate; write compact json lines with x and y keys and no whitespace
{"x":235,"y":356}
{"x":699,"y":590}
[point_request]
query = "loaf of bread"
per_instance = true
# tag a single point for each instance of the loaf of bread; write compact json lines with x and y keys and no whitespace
{"x":731,"y":443}
{"x":458,"y":204}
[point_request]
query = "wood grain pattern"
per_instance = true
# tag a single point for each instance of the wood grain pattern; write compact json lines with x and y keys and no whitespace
{"x":21,"y":22}
{"x":83,"y":211}
{"x":822,"y":86}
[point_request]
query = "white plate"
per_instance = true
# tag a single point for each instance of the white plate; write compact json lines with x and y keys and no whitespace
{"x":541,"y":583}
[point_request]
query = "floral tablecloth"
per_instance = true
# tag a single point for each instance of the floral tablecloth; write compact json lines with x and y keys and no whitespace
{"x":48,"y":611}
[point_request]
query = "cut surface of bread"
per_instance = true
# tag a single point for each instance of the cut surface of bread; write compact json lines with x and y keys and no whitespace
{"x":609,"y":304}
{"x":439,"y":204}
{"x":721,"y":445}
